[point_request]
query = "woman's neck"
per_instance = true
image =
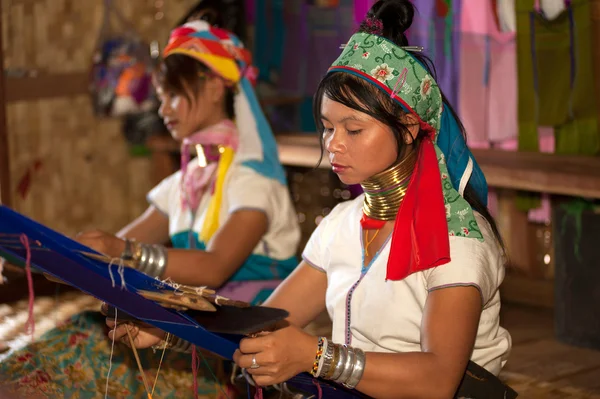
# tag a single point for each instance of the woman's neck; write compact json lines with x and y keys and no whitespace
{"x":385,"y":190}
{"x":211,"y":122}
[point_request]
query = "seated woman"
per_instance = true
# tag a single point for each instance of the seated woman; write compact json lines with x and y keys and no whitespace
{"x":420,"y":240}
{"x":228,"y":213}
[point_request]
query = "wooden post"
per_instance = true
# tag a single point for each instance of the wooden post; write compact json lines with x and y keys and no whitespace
{"x":515,"y":229}
{"x":5,"y":188}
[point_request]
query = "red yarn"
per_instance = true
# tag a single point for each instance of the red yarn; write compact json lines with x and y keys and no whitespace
{"x":319,"y":389}
{"x":195,"y":370}
{"x":30,"y":325}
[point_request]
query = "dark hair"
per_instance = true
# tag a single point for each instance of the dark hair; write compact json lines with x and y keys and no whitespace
{"x":226,"y":14}
{"x":355,"y":93}
{"x":181,"y":74}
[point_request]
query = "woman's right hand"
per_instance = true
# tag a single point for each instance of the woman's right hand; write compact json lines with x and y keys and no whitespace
{"x":144,"y":336}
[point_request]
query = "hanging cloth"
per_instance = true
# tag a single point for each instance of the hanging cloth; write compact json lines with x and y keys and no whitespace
{"x":555,"y":78}
{"x":433,"y":28}
{"x":595,"y":13}
{"x":488,"y":76}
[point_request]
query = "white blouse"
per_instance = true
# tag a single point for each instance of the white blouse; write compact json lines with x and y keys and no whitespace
{"x":389,"y":318}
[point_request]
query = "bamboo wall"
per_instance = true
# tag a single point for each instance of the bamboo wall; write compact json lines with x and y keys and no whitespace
{"x":87,"y":179}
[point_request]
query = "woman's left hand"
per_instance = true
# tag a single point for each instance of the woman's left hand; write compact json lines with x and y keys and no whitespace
{"x":102,"y":242}
{"x":279,"y":355}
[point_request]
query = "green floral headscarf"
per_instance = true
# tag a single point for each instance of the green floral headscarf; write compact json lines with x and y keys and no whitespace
{"x":419,"y":225}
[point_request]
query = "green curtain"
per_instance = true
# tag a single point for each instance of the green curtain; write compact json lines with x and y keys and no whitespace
{"x":565,"y":99}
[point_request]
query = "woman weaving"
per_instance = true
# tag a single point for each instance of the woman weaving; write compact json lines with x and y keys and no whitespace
{"x":409,"y":272}
{"x":228,"y":213}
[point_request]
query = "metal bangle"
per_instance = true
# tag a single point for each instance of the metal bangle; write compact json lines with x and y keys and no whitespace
{"x":327,"y":359}
{"x":143,"y":258}
{"x":357,"y":370}
{"x":334,"y":362}
{"x":128,"y":250}
{"x":162,"y":263}
{"x":348,"y":366}
{"x":153,"y":260}
{"x":339,"y":366}
{"x":157,"y":268}
{"x":182,"y":346}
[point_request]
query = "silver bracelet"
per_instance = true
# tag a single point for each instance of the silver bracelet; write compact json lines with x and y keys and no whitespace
{"x":144,"y":255}
{"x":339,"y":366}
{"x":182,"y":346}
{"x":128,"y":250}
{"x":153,"y":260}
{"x":348,"y":366}
{"x":357,"y":370}
{"x":327,"y":359}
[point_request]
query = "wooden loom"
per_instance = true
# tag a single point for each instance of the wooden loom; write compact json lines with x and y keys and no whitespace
{"x":197,"y":315}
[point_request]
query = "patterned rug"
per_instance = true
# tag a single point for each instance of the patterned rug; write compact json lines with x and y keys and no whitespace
{"x":48,"y":313}
{"x":51,"y":311}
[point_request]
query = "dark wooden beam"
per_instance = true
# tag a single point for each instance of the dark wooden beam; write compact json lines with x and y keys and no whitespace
{"x":43,"y":86}
{"x":527,"y":171}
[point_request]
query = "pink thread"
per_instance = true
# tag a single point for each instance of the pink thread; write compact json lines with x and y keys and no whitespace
{"x":195,"y":370}
{"x":30,"y":326}
{"x":319,"y":389}
{"x":401,"y":81}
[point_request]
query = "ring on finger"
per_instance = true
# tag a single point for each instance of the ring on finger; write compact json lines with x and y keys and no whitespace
{"x":254,"y":364}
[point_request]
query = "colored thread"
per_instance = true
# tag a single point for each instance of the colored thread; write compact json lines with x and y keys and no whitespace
{"x":368,"y":242}
{"x":138,"y":361}
{"x":112,"y":350}
{"x":319,"y":389}
{"x":195,"y":370}
{"x":112,"y":278}
{"x":30,"y":326}
{"x":213,"y":374}
{"x":167,"y":339}
{"x":121,"y":271}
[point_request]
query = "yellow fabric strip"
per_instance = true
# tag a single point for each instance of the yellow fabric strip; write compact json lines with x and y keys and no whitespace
{"x":211,"y":221}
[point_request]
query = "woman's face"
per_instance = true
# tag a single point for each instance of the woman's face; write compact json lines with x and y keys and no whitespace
{"x":359,"y":146}
{"x":183,"y":117}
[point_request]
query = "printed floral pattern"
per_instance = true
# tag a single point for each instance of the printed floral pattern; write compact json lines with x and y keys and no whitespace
{"x":71,"y":362}
{"x":382,"y":72}
{"x":417,"y":90}
{"x":426,"y":85}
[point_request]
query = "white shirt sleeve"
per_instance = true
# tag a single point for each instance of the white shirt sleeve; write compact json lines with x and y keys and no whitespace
{"x":317,"y":250}
{"x":472,"y":263}
{"x":163,"y":194}
{"x":250,"y":190}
